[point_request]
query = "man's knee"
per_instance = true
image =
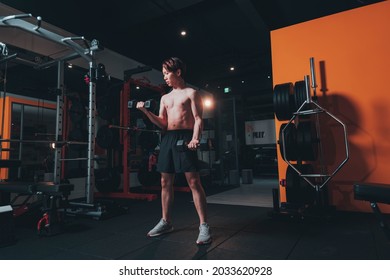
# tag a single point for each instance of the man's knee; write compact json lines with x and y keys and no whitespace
{"x":193,"y":180}
{"x":167,"y":180}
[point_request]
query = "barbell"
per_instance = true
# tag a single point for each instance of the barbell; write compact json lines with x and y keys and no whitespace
{"x":134,"y":128}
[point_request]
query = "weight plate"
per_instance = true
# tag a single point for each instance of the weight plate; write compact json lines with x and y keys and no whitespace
{"x":283,"y":94}
{"x":298,"y":191}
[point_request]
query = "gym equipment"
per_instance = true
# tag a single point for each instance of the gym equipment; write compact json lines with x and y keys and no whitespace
{"x":304,"y":135}
{"x":107,"y":179}
{"x":148,"y":138}
{"x":149,"y":104}
{"x":87,"y":50}
{"x":374,"y":193}
{"x":57,"y":144}
{"x":105,"y":108}
{"x":182,"y":146}
{"x":7,"y":229}
{"x":298,"y":191}
{"x":53,"y":196}
{"x":306,"y":141}
{"x":107,"y":137}
{"x":299,"y":94}
{"x":288,"y":141}
{"x":299,"y":140}
{"x":134,"y":128}
{"x":283,"y":101}
{"x":124,"y":138}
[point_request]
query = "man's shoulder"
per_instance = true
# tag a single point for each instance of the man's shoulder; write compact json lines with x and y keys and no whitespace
{"x":191,"y":90}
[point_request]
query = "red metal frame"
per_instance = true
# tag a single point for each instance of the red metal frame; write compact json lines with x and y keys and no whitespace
{"x":125,"y":141}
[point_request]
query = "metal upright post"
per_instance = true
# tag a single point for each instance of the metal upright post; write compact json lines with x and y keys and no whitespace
{"x":59,"y":119}
{"x":235,"y":138}
{"x":90,"y":184}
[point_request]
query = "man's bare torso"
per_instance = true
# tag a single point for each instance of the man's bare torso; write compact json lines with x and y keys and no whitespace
{"x":177,"y":105}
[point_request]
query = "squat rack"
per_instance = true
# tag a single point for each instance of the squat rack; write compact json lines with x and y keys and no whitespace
{"x":88,"y":53}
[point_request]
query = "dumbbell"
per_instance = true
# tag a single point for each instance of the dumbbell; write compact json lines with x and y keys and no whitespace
{"x":149,"y":104}
{"x":182,"y":146}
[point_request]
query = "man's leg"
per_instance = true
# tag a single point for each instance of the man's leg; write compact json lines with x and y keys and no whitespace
{"x":164,"y":225}
{"x":167,"y":195}
{"x":199,"y":198}
{"x":198,"y":195}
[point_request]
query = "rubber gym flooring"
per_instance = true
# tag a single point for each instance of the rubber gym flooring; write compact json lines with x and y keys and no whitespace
{"x":239,"y":233}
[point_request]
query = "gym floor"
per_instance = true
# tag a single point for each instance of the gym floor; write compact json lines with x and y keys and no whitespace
{"x":239,"y":232}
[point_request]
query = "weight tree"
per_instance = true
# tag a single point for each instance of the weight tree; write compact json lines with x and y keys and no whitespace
{"x":300,"y":141}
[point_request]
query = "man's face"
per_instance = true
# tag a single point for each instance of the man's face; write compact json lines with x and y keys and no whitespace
{"x":170,"y":77}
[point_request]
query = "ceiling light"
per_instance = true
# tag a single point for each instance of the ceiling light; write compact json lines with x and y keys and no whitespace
{"x":70,"y":65}
{"x":183,"y":33}
{"x":232,"y":68}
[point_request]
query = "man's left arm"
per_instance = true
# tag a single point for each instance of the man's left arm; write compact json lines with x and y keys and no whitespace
{"x":197,"y":112}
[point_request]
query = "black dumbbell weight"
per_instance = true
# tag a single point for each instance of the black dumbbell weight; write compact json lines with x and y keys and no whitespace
{"x":182,"y":146}
{"x":149,"y":104}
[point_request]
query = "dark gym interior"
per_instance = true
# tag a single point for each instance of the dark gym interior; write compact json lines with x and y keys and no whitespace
{"x":291,"y":171}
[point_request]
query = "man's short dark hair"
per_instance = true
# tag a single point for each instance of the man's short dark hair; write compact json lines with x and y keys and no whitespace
{"x":174,"y":63}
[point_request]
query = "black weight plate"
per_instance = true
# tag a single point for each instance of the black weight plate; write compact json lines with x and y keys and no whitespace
{"x":282,"y":100}
{"x":299,"y":94}
{"x":306,"y":141}
{"x":290,"y":140}
{"x":105,"y":108}
{"x":107,"y":138}
{"x":298,"y":191}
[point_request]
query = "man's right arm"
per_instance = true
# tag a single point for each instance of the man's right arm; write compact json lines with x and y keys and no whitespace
{"x":160,"y":120}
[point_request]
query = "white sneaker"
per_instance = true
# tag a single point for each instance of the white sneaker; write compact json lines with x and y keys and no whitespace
{"x":204,"y":236}
{"x":161,"y":228}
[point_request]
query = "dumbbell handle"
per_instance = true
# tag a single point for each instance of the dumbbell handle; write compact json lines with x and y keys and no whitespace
{"x":132,"y":104}
{"x":182,"y":145}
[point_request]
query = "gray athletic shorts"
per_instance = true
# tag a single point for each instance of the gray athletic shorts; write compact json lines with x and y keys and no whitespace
{"x":170,"y":159}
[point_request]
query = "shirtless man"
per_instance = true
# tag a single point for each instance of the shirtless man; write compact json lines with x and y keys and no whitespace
{"x":180,"y":116}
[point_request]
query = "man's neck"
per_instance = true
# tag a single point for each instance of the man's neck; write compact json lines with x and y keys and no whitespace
{"x":180,"y":85}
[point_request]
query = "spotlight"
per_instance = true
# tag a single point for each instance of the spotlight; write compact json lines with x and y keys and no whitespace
{"x":208,"y":103}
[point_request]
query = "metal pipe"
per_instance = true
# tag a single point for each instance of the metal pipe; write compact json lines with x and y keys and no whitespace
{"x":134,"y":128}
{"x":44,"y":141}
{"x":12,"y":56}
{"x":4,"y":19}
{"x":308,"y":100}
{"x":313,"y":78}
{"x":70,"y":159}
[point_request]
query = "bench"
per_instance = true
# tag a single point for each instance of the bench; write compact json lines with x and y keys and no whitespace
{"x":53,"y":197}
{"x":374,"y":193}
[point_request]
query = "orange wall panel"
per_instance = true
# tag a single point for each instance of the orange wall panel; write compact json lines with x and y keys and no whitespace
{"x":352,"y":59}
